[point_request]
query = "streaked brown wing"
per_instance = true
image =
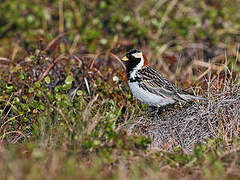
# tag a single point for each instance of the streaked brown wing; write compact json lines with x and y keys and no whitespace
{"x":154,"y":82}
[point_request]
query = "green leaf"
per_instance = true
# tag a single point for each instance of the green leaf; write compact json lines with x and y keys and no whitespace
{"x":31,"y":90}
{"x":47,"y":79}
{"x":69,"y":80}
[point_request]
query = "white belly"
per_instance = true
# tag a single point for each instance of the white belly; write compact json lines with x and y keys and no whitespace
{"x":149,"y":98}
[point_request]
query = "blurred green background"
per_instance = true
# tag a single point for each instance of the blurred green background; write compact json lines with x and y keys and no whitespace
{"x":102,"y":25}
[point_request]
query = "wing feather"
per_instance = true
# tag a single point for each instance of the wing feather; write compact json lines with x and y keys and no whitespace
{"x":154,"y":82}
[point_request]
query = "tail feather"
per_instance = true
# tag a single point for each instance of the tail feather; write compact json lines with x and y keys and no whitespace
{"x":188,"y":97}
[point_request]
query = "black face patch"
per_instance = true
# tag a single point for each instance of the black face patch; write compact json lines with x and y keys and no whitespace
{"x":133,"y":51}
{"x":132,"y":61}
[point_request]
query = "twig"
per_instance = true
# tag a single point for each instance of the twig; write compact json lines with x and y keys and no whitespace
{"x":93,"y":61}
{"x":208,"y":65}
{"x":88,"y":107}
{"x":93,"y":69}
{"x":51,"y":65}
{"x":203,"y":74}
{"x":87,"y":85}
{"x":15,"y":50}
{"x":157,"y":6}
{"x":14,"y":141}
{"x":9,"y":121}
{"x":11,"y":132}
{"x":61,"y":18}
{"x":117,"y":58}
{"x":74,"y":44}
{"x":8,"y":102}
{"x":78,"y":59}
{"x":65,"y":119}
{"x":53,"y":41}
{"x":230,"y":152}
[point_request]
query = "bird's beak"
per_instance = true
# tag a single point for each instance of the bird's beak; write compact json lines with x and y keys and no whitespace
{"x":125,"y":58}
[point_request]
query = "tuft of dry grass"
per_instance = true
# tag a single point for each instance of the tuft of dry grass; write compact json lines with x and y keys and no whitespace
{"x":185,"y":125}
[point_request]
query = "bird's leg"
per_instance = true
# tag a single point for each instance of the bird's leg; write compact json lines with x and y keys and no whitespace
{"x":151,"y":110}
{"x":159,"y":111}
{"x":154,"y":111}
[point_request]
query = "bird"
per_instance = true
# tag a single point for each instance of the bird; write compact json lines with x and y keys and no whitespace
{"x":149,"y":86}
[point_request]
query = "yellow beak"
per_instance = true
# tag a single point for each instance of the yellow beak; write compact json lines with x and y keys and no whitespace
{"x":125,"y":58}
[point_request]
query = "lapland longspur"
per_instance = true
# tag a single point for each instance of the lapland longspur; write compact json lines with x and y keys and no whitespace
{"x":148,"y":85}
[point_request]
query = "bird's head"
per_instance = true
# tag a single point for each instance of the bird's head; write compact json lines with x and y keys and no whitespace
{"x":135,"y":59}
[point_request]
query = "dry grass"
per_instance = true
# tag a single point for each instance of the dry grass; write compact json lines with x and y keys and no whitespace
{"x":185,"y":125}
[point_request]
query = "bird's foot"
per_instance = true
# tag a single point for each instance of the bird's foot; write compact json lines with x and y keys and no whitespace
{"x":151,"y":110}
{"x":154,"y":111}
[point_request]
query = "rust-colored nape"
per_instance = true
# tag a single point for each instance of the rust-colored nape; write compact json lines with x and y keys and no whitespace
{"x":145,"y":63}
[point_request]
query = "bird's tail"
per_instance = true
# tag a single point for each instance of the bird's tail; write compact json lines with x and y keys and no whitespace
{"x":192,"y":97}
{"x":188,"y":97}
